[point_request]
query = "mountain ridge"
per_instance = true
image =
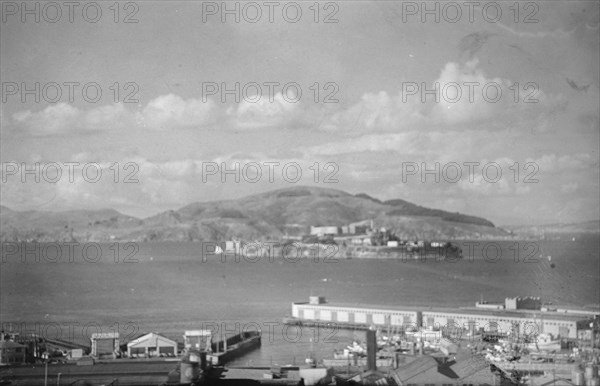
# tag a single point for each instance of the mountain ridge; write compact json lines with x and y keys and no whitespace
{"x":270,"y":215}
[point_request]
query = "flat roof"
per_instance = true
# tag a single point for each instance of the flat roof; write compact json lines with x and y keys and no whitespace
{"x":571,"y":308}
{"x":462,"y":311}
{"x":191,"y":333}
{"x":358,"y":305}
{"x":105,"y":335}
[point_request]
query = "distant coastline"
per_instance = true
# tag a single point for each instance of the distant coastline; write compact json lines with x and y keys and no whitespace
{"x":276,"y":215}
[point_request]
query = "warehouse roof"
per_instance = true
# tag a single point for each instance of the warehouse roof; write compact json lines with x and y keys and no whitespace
{"x":462,"y":311}
{"x":151,"y":338}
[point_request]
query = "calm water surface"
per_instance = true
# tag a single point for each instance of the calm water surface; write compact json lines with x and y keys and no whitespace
{"x":169,"y":288}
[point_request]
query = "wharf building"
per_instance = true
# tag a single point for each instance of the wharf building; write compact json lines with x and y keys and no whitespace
{"x":12,"y":352}
{"x":105,"y":345}
{"x":516,"y":321}
{"x":151,"y":345}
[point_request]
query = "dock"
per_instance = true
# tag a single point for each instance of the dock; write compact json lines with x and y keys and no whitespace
{"x":234,"y":347}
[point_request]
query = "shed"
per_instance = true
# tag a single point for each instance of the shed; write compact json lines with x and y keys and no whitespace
{"x":151,"y":345}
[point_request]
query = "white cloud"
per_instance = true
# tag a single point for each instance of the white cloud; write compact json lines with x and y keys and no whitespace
{"x":166,"y":111}
{"x":169,"y":111}
{"x":265,"y":112}
{"x":463,"y":95}
{"x":467,"y":95}
{"x":54,"y":119}
{"x":107,"y":117}
{"x":378,"y":112}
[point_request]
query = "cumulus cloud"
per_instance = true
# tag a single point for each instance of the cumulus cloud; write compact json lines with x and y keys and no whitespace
{"x":259,"y":111}
{"x":106,"y":117}
{"x":163,"y":112}
{"x":54,"y":119}
{"x":467,"y":95}
{"x":169,"y":111}
{"x":462,"y":95}
{"x":376,"y":112}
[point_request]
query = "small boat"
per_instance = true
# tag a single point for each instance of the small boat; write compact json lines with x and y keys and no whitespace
{"x":544,"y":342}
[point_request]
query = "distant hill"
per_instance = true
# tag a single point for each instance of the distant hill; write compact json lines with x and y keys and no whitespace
{"x":270,"y":215}
{"x":62,"y":226}
{"x":580,"y":227}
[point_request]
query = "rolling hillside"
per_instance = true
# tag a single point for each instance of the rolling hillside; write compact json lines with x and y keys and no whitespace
{"x":269,"y":215}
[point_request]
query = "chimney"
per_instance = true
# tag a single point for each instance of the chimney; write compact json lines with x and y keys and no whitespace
{"x":371,"y":350}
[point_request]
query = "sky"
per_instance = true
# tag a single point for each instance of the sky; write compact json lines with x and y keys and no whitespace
{"x":490,"y":110}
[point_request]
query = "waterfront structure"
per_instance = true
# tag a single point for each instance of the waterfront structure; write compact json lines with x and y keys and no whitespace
{"x":354,"y":229}
{"x":454,"y":320}
{"x":12,"y":353}
{"x":75,"y":353}
{"x":523,"y":303}
{"x":105,"y":344}
{"x":324,"y":230}
{"x":316,"y":300}
{"x":232,"y":347}
{"x":594,"y":313}
{"x":151,"y":345}
{"x":354,"y":315}
{"x":200,"y":340}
